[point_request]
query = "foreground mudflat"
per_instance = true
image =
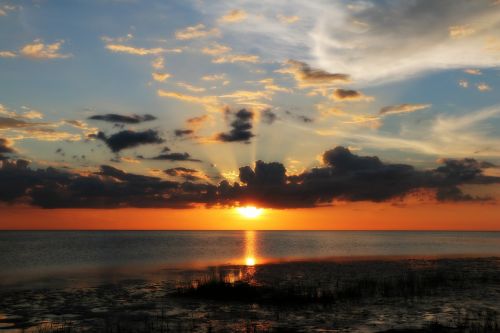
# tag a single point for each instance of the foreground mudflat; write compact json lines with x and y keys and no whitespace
{"x":368,"y":295}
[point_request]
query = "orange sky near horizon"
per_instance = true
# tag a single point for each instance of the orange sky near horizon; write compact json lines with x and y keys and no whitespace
{"x":351,"y":216}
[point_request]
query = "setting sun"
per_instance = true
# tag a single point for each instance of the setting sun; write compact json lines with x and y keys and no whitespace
{"x":249,"y":261}
{"x":250,"y":212}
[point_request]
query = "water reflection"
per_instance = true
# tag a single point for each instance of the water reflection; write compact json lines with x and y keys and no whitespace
{"x":250,"y":248}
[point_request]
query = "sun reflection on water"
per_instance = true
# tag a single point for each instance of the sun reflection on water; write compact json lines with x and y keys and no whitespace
{"x":250,"y":248}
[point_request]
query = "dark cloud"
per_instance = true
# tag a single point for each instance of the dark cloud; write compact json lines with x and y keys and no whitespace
{"x":185,"y":173}
{"x":268,"y":117}
{"x":305,"y":119}
{"x":241,"y":128}
{"x":273,"y":173}
{"x":124,"y":119}
{"x":60,"y":151}
{"x":197,"y":120}
{"x":300,"y":117}
{"x":5,"y":146}
{"x":350,"y":177}
{"x":175,"y":157}
{"x":349,"y":95}
{"x":183,"y":132}
{"x":6,"y":122}
{"x":463,"y":169}
{"x":344,"y":176}
{"x":343,"y":160}
{"x":176,"y":171}
{"x":128,"y":139}
{"x":306,"y":75}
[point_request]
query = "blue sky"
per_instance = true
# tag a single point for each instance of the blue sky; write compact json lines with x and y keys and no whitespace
{"x":434,"y":68}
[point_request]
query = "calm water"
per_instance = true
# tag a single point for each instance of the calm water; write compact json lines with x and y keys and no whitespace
{"x":44,"y":252}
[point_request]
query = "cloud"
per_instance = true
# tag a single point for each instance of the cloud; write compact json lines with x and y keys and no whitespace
{"x":307,"y":76}
{"x":233,"y":16}
{"x":197,"y":31}
{"x":268,"y":117}
{"x":403,"y":108}
{"x":483,"y":87}
{"x":6,"y":122}
{"x":346,"y":176}
{"x":288,"y":19}
{"x":38,"y":50}
{"x":269,"y":84}
{"x":31,"y":113}
{"x":300,"y":117}
{"x":160,"y":77}
{"x":359,"y":38}
{"x":216,"y":49}
{"x":124,"y":119}
{"x":459,"y":135}
{"x":5,"y":147}
{"x":158,"y":63}
{"x":185,"y":173}
{"x":233,"y":58}
{"x":197,"y":121}
{"x":220,"y":54}
{"x":249,"y":97}
{"x":241,"y":128}
{"x":119,"y":48}
{"x":174,"y":157}
{"x":6,"y":8}
{"x":183,"y":132}
{"x":7,"y":54}
{"x":472,"y":71}
{"x":214,"y":77}
{"x":190,"y":87}
{"x":347,"y":95}
{"x":461,"y":31}
{"x":421,"y":44}
{"x":211,"y":103}
{"x":343,"y":176}
{"x":128,"y":139}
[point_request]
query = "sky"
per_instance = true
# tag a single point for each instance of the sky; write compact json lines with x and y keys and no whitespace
{"x":327,"y":114}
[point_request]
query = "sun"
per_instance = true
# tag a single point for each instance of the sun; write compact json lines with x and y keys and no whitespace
{"x":250,"y":261}
{"x":250,"y":212}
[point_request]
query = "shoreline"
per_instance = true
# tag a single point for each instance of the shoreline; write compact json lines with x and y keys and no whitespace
{"x":341,"y":296}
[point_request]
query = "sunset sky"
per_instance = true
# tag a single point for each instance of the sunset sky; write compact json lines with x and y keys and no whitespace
{"x":327,"y":114}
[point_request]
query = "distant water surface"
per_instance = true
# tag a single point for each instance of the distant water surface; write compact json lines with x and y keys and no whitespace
{"x":24,"y":253}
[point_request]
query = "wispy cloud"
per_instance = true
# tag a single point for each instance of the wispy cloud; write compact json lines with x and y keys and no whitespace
{"x":232,"y":58}
{"x":288,"y":19}
{"x":233,"y":16}
{"x":459,"y":136}
{"x":7,"y":54}
{"x":403,"y":108}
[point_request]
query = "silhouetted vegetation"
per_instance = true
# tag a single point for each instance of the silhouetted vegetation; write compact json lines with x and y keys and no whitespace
{"x":452,"y":295}
{"x":407,"y":283}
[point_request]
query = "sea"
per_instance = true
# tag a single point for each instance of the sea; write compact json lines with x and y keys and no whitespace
{"x":32,"y":255}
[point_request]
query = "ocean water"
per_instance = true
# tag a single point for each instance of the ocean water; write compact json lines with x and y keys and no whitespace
{"x":45,"y":253}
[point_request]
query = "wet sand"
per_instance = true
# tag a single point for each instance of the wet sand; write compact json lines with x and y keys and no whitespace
{"x":363,"y":295}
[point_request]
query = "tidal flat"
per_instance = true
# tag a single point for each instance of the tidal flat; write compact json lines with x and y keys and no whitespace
{"x":327,"y":295}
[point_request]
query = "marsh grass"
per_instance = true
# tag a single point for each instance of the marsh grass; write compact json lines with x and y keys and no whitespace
{"x":226,"y":302}
{"x":409,"y":283}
